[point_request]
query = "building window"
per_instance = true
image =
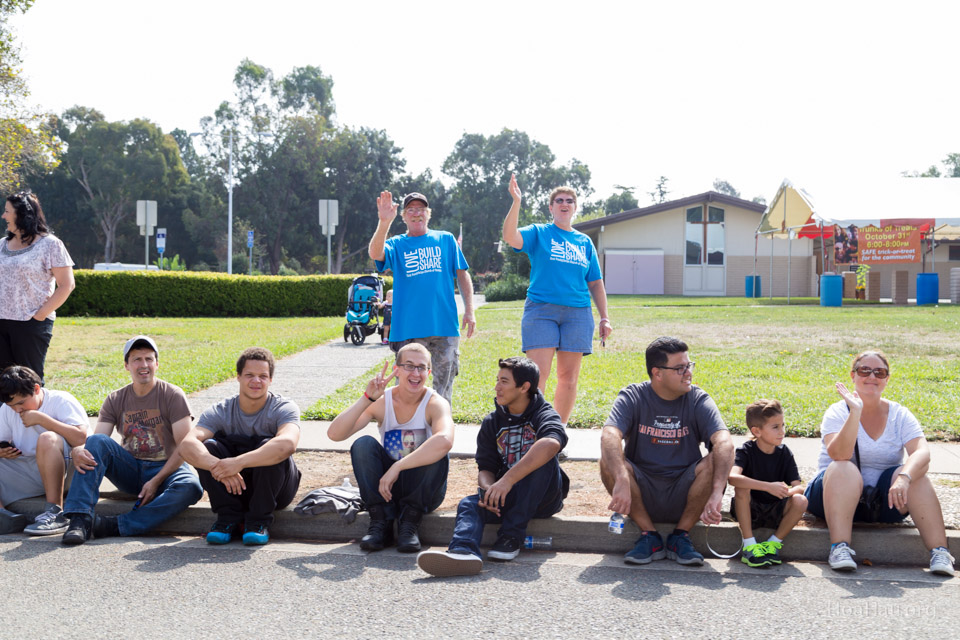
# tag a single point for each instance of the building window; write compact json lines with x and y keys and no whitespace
{"x":705,"y":238}
{"x":955,"y":253}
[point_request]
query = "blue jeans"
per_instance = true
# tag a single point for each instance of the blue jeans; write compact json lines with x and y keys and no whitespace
{"x":180,"y":489}
{"x":421,"y":489}
{"x":539,"y":495}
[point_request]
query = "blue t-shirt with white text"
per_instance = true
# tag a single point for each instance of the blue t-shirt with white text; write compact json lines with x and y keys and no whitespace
{"x":424,"y":269}
{"x":561,"y":264}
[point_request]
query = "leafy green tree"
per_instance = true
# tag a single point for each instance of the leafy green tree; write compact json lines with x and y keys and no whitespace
{"x":480,"y":167}
{"x":724,"y":187}
{"x":117,"y":163}
{"x":617,"y":202}
{"x":660,"y":191}
{"x":27,"y":143}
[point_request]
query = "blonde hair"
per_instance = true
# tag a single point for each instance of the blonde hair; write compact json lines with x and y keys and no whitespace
{"x":760,"y":411}
{"x":559,"y":190}
{"x":414,"y":346}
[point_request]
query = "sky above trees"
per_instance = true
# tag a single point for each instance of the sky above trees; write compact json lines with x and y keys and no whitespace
{"x":746,"y":92}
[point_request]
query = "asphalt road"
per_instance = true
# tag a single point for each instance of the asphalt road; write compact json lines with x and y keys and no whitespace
{"x":183,"y":588}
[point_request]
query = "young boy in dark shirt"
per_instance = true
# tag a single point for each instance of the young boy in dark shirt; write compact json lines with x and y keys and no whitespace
{"x":768,"y":492}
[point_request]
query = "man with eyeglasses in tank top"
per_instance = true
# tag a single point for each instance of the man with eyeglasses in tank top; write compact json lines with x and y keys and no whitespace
{"x":404,"y":474}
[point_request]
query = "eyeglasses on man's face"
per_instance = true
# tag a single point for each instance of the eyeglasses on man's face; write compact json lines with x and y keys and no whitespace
{"x":564,"y":201}
{"x":681,"y":368}
{"x":419,"y":368}
{"x":879,"y":372}
{"x":414,"y":211}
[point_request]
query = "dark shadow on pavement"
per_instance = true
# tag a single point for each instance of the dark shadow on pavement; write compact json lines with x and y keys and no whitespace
{"x":28,"y":548}
{"x":644,"y":583}
{"x":159,"y":559}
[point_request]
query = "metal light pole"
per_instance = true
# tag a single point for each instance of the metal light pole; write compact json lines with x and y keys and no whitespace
{"x":230,"y":207}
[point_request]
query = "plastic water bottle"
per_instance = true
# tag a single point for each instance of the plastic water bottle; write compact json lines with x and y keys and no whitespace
{"x":616,"y":523}
{"x":346,"y":484}
{"x":538,"y":542}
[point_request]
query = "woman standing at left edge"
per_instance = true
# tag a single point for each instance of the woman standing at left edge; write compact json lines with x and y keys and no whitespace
{"x":36,"y":277}
{"x":564,"y":275}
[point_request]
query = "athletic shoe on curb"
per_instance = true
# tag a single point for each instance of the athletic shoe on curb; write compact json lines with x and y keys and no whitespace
{"x":11,"y":522}
{"x":649,"y":547}
{"x":680,"y":548}
{"x":841,"y":557}
{"x":257,"y":534}
{"x":505,"y":548}
{"x":444,"y":564}
{"x":78,"y":531}
{"x":222,"y":532}
{"x":941,"y":562}
{"x":49,"y":522}
{"x":755,"y":555}
{"x":771,"y":550}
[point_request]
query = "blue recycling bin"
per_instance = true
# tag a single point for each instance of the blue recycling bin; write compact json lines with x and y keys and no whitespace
{"x":751,"y":284}
{"x":831,"y":290}
{"x":928,"y":288}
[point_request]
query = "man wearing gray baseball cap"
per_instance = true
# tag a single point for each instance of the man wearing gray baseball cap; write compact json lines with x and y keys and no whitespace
{"x":145,"y":462}
{"x":424,"y":264}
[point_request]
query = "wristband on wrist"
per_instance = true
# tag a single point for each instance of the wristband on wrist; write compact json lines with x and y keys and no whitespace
{"x":906,"y":475}
{"x":368,"y":397}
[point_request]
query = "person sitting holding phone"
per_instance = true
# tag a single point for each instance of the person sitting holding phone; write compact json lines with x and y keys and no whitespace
{"x":38,"y":427}
{"x":863,"y":476}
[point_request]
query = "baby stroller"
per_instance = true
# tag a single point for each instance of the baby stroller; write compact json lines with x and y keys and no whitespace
{"x":363,"y":312}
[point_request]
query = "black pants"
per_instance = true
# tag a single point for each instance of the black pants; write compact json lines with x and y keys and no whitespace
{"x":25,"y":342}
{"x":268,"y":488}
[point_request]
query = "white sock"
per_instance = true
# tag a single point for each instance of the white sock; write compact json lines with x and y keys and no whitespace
{"x":749,"y":541}
{"x":774,"y":538}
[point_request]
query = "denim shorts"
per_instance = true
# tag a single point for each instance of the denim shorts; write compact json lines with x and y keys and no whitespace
{"x":555,"y":326}
{"x":814,"y":494}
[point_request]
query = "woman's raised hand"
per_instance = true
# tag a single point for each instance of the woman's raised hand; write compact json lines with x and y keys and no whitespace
{"x":515,"y":188}
{"x":852,"y":398}
{"x":378,"y":383}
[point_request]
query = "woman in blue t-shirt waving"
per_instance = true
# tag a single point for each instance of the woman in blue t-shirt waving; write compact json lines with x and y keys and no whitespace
{"x":564,"y":274}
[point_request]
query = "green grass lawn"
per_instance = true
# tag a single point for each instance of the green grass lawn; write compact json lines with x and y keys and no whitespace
{"x":743,"y":352}
{"x":86,"y":354}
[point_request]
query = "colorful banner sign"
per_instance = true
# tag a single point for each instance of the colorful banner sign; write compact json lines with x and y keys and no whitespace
{"x":894,"y":241}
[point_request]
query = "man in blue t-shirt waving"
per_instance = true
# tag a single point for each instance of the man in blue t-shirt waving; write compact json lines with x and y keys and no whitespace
{"x":424,"y":264}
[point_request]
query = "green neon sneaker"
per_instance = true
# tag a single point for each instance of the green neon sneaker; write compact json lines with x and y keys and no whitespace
{"x":755,"y":555}
{"x":771,"y":551}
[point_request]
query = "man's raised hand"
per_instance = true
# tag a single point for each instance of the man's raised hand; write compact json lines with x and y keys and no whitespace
{"x":386,"y":208}
{"x":379,"y":382}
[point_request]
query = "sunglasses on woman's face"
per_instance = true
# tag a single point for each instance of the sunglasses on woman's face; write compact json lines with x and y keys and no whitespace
{"x":879,"y":372}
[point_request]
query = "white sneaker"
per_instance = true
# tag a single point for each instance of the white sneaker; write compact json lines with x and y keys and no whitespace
{"x":49,"y":522}
{"x":941,"y":562}
{"x":447,"y":563}
{"x":841,"y":558}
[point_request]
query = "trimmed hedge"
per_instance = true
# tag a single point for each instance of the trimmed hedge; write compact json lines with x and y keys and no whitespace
{"x":190,"y":294}
{"x":512,"y":287}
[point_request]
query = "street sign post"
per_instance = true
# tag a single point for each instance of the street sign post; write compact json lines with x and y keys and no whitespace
{"x":161,"y":244}
{"x":250,"y":247}
{"x":329,"y":217}
{"x":147,"y":219}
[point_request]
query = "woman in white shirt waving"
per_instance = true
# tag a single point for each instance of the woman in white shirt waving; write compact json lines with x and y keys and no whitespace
{"x":862,"y":475}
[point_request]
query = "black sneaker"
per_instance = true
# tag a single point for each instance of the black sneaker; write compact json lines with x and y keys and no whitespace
{"x":505,"y":548}
{"x":380,"y":531}
{"x":407,"y":539}
{"x":79,"y":531}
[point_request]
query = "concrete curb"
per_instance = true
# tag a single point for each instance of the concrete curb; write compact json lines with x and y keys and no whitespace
{"x":880,"y":544}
